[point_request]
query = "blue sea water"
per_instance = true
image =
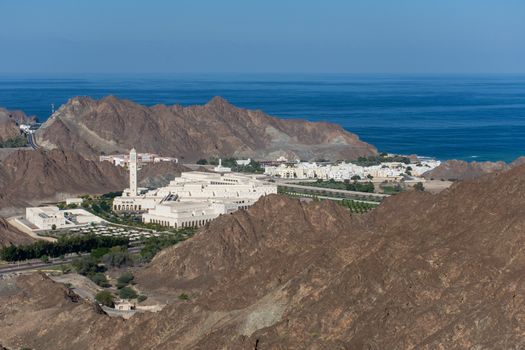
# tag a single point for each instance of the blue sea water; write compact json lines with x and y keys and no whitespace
{"x":471,"y":117}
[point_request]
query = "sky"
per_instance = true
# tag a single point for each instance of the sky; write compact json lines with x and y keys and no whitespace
{"x":262,"y":36}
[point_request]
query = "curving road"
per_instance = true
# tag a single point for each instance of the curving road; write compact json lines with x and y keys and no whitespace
{"x":31,"y":141}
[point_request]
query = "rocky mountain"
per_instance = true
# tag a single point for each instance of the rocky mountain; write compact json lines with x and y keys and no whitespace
{"x":422,"y":271}
{"x":31,"y":177}
{"x":462,"y":170}
{"x":217,"y":128}
{"x":9,"y":121}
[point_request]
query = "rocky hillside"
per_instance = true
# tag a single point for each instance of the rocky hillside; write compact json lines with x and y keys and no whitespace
{"x":31,"y":177}
{"x":217,"y":128}
{"x":9,"y":121}
{"x":28,"y":176}
{"x":422,"y":271}
{"x":9,"y":235}
{"x":461,"y":170}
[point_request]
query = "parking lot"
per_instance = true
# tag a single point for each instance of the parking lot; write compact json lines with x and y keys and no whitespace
{"x":115,"y":231}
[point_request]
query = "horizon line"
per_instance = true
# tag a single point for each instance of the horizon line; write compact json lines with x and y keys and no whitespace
{"x":255,"y":73}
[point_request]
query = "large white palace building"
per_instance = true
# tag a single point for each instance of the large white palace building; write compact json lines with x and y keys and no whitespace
{"x":193,"y":199}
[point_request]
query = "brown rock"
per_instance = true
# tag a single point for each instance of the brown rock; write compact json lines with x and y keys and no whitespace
{"x":217,"y":128}
{"x":9,"y":121}
{"x":9,"y":235}
{"x":461,"y":170}
{"x":31,"y":177}
{"x":420,"y":272}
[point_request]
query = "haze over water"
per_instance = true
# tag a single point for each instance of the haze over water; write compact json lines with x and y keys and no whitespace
{"x":469,"y":117}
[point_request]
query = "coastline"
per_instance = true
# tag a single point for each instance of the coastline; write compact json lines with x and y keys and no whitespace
{"x":465,"y":117}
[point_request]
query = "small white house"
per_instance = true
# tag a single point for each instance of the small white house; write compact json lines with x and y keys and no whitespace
{"x":124,"y":305}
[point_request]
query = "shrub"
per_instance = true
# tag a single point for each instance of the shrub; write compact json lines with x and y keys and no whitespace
{"x":141,"y":298}
{"x":19,"y":141}
{"x":126,"y":277}
{"x":419,"y":186}
{"x":127,"y":293}
{"x":105,"y":298}
{"x":98,"y":253}
{"x":184,"y":296}
{"x":117,"y":257}
{"x":100,"y":279}
{"x":86,"y":266}
{"x":121,"y":285}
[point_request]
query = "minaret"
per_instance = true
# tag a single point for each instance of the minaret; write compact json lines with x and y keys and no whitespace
{"x":133,"y":172}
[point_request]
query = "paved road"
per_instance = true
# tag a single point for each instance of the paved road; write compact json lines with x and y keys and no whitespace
{"x":31,"y":140}
{"x":37,"y":264}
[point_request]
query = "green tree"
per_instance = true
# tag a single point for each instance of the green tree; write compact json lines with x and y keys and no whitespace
{"x":117,"y":257}
{"x":126,"y":277}
{"x":419,"y":186}
{"x":202,"y":162}
{"x":100,"y":279}
{"x":64,"y":245}
{"x":86,"y":265}
{"x":98,"y":253}
{"x":44,"y":258}
{"x":105,"y":297}
{"x":127,"y":293}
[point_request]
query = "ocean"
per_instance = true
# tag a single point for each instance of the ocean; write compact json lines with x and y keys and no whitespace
{"x":474,"y":117}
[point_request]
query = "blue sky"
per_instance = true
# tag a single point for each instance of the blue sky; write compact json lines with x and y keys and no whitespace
{"x":255,"y":36}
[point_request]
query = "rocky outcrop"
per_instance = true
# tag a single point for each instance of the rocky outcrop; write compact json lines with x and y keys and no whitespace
{"x":421,"y":271}
{"x":462,"y":170}
{"x":217,"y":128}
{"x":9,"y":123}
{"x":10,"y":235}
{"x":30,"y":177}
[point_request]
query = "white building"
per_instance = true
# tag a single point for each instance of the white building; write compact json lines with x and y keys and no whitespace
{"x":221,"y":169}
{"x":133,"y":172}
{"x":346,"y":171}
{"x":45,"y":218}
{"x":194,"y":198}
{"x":124,"y":305}
{"x":142,"y":158}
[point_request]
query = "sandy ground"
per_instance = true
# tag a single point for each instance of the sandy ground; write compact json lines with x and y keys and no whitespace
{"x":81,"y":285}
{"x":14,"y":221}
{"x":87,"y":289}
{"x":436,"y":186}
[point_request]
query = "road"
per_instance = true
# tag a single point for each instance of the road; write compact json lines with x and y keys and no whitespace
{"x":36,"y":264}
{"x":31,"y":141}
{"x":368,"y":195}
